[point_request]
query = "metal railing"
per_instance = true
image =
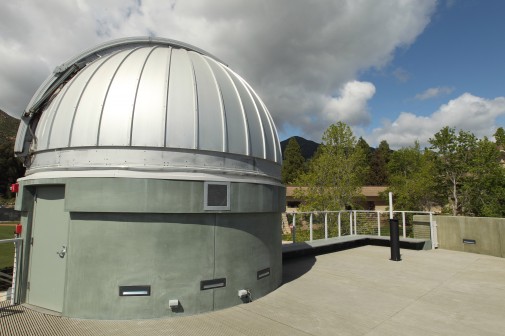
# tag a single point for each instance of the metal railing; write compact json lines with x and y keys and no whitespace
{"x":12,"y":279}
{"x":309,"y":226}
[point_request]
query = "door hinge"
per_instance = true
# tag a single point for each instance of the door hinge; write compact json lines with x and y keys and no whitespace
{"x":31,"y":241}
{"x":28,"y":285}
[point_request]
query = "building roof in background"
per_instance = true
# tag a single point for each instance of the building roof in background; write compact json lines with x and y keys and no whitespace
{"x":367,"y":191}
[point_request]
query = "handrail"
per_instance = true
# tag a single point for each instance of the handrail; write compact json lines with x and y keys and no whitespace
{"x":11,"y":240}
{"x":366,"y":211}
{"x":18,"y":243}
{"x":354,"y":220}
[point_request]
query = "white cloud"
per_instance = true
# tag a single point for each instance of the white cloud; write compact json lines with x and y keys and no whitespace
{"x":292,"y":52}
{"x":434,"y":92}
{"x":351,"y":104}
{"x":467,"y":112}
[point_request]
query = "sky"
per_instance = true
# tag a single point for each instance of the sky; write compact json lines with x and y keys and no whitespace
{"x":394,"y":70}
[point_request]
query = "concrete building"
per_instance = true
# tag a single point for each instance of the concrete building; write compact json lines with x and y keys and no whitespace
{"x":152,"y":186}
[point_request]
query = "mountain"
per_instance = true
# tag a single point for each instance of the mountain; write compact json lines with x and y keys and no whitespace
{"x":307,"y":147}
{"x":8,"y":127}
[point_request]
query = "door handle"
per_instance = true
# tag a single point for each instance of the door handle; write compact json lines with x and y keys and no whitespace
{"x":62,"y":252}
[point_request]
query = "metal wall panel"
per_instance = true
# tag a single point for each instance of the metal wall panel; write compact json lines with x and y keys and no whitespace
{"x":236,"y":122}
{"x":61,"y":126}
{"x":115,"y":124}
{"x":151,"y":102}
{"x":89,"y":106}
{"x":277,"y":143}
{"x":87,"y":120}
{"x":255,"y":130}
{"x":210,"y":108}
{"x":43,"y":131}
{"x":267,"y":128}
{"x":181,"y":112}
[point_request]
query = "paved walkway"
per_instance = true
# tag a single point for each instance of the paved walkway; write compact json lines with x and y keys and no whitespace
{"x":353,"y":292}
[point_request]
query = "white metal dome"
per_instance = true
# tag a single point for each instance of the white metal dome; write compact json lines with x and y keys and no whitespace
{"x":147,"y":103}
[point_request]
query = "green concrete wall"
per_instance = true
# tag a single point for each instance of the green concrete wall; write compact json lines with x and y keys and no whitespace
{"x":170,"y":253}
{"x":488,"y":233}
{"x":155,"y":196}
{"x":120,"y":239}
{"x":244,"y":246}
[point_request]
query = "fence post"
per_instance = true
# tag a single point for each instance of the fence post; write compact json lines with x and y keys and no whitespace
{"x":355,"y":223}
{"x":310,"y":226}
{"x":15,"y":272}
{"x":326,"y":225}
{"x":378,"y":223}
{"x":433,"y":232}
{"x":14,"y":269}
{"x":339,"y":225}
{"x":404,"y":226}
{"x":293,"y":231}
{"x":350,"y":223}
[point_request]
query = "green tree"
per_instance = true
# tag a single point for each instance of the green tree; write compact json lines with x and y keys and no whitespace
{"x":454,"y":153}
{"x":293,"y":162}
{"x":500,"y":138}
{"x":335,"y":175}
{"x":10,"y":167}
{"x":367,"y":151}
{"x":484,"y":188}
{"x":411,"y":176}
{"x":500,"y":143}
{"x":379,"y":165}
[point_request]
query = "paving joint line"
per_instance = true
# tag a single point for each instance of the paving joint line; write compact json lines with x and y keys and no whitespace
{"x":413,"y":301}
{"x":279,"y":322}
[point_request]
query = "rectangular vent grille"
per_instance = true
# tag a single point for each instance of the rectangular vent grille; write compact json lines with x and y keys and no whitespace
{"x":212,"y":284}
{"x":263,"y":273}
{"x":134,"y":290}
{"x":216,"y":196}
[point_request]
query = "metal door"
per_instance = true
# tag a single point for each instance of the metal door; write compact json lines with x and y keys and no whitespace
{"x":48,"y":252}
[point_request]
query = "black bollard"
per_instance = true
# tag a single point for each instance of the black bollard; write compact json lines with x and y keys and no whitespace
{"x":394,"y":237}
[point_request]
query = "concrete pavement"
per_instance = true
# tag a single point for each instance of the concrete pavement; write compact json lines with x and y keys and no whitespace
{"x":352,"y":292}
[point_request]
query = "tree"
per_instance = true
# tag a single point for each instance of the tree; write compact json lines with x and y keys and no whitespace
{"x":367,"y":150}
{"x":454,"y":154}
{"x":484,"y":189}
{"x":292,"y":164}
{"x":469,"y":173}
{"x":500,"y":138}
{"x":10,"y":167}
{"x":335,"y":175}
{"x":411,"y":176}
{"x":379,"y":165}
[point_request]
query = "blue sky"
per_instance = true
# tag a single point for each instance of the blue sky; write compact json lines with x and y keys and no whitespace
{"x":460,"y":51}
{"x":393,"y":70}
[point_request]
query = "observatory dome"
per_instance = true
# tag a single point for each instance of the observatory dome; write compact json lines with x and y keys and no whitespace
{"x":153,"y":170}
{"x":148,"y":104}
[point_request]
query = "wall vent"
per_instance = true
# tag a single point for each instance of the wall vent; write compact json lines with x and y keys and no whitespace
{"x":135,"y":290}
{"x":216,"y":196}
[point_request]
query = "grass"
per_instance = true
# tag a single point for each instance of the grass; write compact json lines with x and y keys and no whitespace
{"x":7,"y":201}
{"x":6,"y":250}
